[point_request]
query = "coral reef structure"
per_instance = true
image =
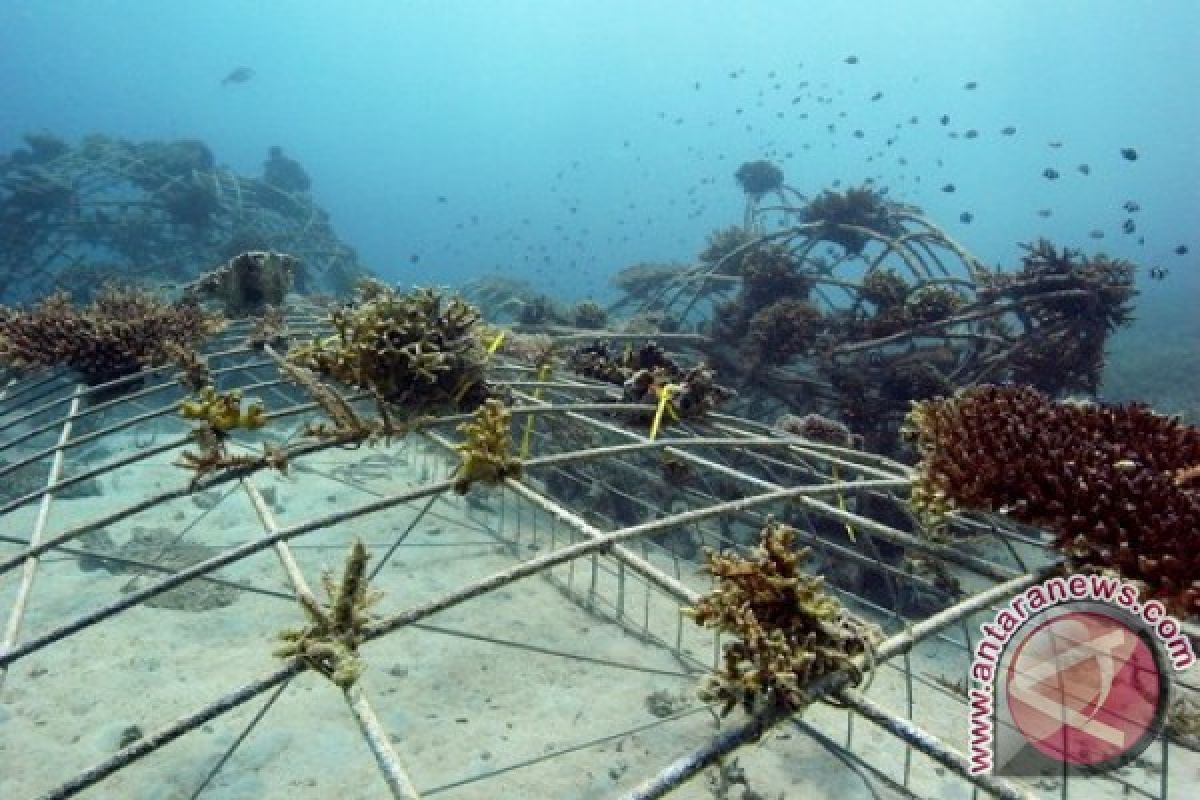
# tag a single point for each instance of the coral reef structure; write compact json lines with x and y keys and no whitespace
{"x":1110,"y":482}
{"x":73,"y":215}
{"x":121,"y":332}
{"x":589,"y":315}
{"x":788,"y":630}
{"x":248,"y":284}
{"x":418,"y":350}
{"x":486,"y":451}
{"x":329,"y":642}
{"x":759,"y":177}
{"x":846,"y":217}
{"x":1095,"y":293}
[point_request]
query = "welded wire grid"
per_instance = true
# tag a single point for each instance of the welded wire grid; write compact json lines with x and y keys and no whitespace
{"x":529,"y":641}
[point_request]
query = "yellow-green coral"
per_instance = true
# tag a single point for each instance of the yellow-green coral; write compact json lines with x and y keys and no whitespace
{"x":487,"y":450}
{"x":329,"y":642}
{"x":789,"y":630}
{"x":417,"y":350}
{"x":223,"y":411}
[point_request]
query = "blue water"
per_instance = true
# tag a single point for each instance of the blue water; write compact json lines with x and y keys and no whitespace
{"x":570,"y":139}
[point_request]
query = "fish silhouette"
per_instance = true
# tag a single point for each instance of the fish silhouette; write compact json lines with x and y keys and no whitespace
{"x":238,"y":75}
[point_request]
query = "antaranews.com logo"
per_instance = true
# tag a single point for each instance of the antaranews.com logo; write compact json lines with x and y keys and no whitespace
{"x":1074,"y":673}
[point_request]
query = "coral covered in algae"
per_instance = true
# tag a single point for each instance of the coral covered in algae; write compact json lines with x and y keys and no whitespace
{"x":121,"y":332}
{"x":486,"y":450}
{"x":1073,"y":303}
{"x":329,"y":642}
{"x":759,"y":177}
{"x":417,"y":350}
{"x":783,"y":330}
{"x":788,"y":630}
{"x":839,"y":214}
{"x":248,"y":284}
{"x":1110,"y":482}
{"x":884,"y":289}
{"x":726,"y":247}
{"x":932,"y":303}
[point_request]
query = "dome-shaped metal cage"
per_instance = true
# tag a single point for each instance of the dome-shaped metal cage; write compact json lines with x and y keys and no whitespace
{"x":528,"y":640}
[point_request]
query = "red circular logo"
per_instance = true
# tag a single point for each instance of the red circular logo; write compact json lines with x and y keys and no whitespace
{"x":1085,"y":689}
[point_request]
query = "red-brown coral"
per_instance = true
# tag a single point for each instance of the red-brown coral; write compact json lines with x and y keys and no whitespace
{"x":121,"y":332}
{"x":1104,"y":480}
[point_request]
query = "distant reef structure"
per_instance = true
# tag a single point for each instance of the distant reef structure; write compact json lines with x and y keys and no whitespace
{"x":73,"y":216}
{"x":853,"y":306}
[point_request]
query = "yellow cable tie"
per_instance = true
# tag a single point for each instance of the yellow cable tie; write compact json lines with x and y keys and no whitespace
{"x":841,"y":501}
{"x":495,"y":345}
{"x":527,"y":437}
{"x":663,"y":397}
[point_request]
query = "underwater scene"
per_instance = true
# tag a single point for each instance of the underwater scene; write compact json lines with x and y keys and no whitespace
{"x":574,"y":399}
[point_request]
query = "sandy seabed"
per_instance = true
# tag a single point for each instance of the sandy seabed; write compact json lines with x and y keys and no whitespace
{"x":529,"y":691}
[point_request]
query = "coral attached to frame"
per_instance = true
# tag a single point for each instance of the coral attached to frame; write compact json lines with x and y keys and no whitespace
{"x":122,"y":331}
{"x":418,"y":350}
{"x":248,"y":284}
{"x":789,"y":631}
{"x":1110,"y":482}
{"x":487,"y":450}
{"x":329,"y":642}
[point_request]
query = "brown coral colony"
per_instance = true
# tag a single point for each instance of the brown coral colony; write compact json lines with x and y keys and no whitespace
{"x":1116,"y":485}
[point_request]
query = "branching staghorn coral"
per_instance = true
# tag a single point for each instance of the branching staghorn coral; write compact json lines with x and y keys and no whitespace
{"x":220,"y":414}
{"x":788,"y":630}
{"x":418,"y":351}
{"x":486,"y":451}
{"x":329,"y":642}
{"x":194,"y":373}
{"x":1105,"y":480}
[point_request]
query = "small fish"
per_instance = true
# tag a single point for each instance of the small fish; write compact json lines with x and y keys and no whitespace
{"x":971,"y":134}
{"x":1129,"y":226}
{"x":851,"y":59}
{"x":1050,"y":174}
{"x":1131,"y":207}
{"x":238,"y":75}
{"x":1158,"y":273}
{"x":1129,"y":154}
{"x":966,"y":217}
{"x":876,"y":96}
{"x":858,"y":134}
{"x":1009,"y":130}
{"x":1182,"y":250}
{"x":949,"y":187}
{"x":945,"y":120}
{"x":1084,"y":169}
{"x":913,"y":120}
{"x":1055,"y":145}
{"x":1044,"y":213}
{"x":414,"y":258}
{"x":1096,"y":234}
{"x":969,"y":85}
